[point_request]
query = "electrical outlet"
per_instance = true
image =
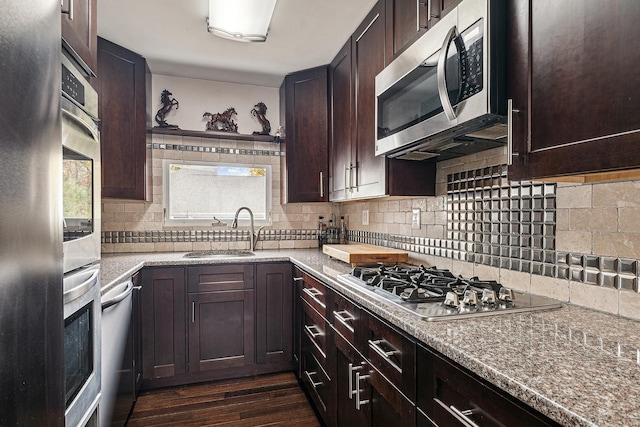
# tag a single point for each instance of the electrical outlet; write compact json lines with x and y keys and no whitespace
{"x":415,"y":219}
{"x":365,"y":217}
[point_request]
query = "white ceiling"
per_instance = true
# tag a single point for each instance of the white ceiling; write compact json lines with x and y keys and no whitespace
{"x":172,"y":36}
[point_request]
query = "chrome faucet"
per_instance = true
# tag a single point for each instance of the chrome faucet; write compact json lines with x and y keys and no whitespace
{"x":253,"y":240}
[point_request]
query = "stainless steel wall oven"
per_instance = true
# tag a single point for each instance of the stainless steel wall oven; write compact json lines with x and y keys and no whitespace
{"x":82,"y":346}
{"x":81,"y":169}
{"x":81,"y":247}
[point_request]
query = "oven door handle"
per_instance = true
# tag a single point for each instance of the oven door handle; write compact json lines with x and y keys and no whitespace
{"x":442,"y":79}
{"x":82,"y":288}
{"x":121,"y":296}
{"x":80,"y":117}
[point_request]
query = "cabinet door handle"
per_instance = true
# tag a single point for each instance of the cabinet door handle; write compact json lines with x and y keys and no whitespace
{"x":510,"y":111}
{"x":314,"y":384}
{"x":69,"y":11}
{"x":298,"y":279}
{"x":463,"y":416}
{"x":352,"y":369}
{"x":310,"y":330}
{"x":193,"y":312}
{"x":321,"y":185}
{"x":344,"y":317}
{"x":347,"y":177}
{"x":359,"y":402}
{"x":314,"y":294}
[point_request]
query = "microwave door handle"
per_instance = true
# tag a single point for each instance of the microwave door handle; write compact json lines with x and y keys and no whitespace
{"x":442,"y":81}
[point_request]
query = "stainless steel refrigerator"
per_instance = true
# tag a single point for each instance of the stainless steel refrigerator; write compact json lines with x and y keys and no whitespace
{"x":31,"y":316}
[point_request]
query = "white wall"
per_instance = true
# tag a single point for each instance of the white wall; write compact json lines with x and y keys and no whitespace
{"x":199,"y":96}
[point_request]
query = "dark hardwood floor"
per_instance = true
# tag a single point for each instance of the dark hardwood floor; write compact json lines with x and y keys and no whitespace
{"x":267,"y":400}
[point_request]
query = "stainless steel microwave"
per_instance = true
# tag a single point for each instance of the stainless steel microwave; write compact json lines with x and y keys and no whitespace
{"x":440,"y":96}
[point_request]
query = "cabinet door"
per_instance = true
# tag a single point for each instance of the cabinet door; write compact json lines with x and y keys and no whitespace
{"x":79,"y":32}
{"x":342,"y":152}
{"x":221,"y":330}
{"x":122,"y":91}
{"x":368,"y":59}
{"x":306,"y":143}
{"x":274,"y":313}
{"x":406,"y":20}
{"x":575,"y":114}
{"x":163,"y":322}
{"x":349,"y":410}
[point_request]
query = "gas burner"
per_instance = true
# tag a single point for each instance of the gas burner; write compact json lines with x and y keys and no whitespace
{"x":434,"y":293}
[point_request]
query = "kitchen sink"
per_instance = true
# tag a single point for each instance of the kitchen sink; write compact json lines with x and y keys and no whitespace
{"x":231,"y":253}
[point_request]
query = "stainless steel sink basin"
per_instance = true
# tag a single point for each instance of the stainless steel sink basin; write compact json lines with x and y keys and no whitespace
{"x":231,"y":253}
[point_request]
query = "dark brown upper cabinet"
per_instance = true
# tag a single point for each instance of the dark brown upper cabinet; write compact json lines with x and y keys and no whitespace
{"x":572,"y":78}
{"x":406,"y":21}
{"x":356,"y":172}
{"x":305,"y":166}
{"x":79,"y":32}
{"x":124,"y":92}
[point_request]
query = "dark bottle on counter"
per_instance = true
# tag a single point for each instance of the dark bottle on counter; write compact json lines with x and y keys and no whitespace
{"x":321,"y":234}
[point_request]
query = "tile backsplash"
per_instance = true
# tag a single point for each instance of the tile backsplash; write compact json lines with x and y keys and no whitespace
{"x":579,"y":243}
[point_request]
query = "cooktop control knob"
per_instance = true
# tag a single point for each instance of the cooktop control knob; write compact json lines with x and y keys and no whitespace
{"x":451,"y":300}
{"x":488,"y":296}
{"x":506,"y":295}
{"x":470,"y":298}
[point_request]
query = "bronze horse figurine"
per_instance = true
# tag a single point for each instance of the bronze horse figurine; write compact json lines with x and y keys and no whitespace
{"x":222,"y":122}
{"x":260,"y":111}
{"x":167,"y":104}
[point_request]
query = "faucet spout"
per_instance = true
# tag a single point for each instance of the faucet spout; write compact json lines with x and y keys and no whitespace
{"x":252,"y":242}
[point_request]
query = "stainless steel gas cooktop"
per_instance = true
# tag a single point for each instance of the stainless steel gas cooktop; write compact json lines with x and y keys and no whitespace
{"x":436,"y":294}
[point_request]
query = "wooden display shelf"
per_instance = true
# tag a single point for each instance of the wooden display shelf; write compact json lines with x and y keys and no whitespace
{"x":212,"y":134}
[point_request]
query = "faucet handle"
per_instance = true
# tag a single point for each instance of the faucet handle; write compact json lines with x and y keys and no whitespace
{"x":218,"y":223}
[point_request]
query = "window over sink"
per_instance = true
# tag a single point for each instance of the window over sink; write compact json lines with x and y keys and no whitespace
{"x":201,"y":193}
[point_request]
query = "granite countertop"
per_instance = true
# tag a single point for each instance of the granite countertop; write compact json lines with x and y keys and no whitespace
{"x":579,"y":367}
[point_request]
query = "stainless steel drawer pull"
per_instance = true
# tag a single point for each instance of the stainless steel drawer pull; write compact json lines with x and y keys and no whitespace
{"x":359,"y":402}
{"x":314,"y":384}
{"x":344,"y":317}
{"x":463,"y":416}
{"x":375,"y":345}
{"x":310,"y":330}
{"x":314,"y":294}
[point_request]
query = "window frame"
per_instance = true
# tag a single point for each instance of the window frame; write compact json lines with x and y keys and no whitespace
{"x":243,"y":219}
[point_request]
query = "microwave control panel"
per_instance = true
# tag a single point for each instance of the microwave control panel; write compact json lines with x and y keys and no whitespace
{"x":471,"y":61}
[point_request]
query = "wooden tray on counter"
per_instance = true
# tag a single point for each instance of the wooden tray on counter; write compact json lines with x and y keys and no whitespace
{"x":365,"y":254}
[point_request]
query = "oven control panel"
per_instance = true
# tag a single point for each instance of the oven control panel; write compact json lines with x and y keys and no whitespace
{"x":71,"y":86}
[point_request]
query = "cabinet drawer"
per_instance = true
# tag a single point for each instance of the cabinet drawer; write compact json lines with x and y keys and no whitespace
{"x":314,"y":328}
{"x":313,"y":292}
{"x":224,"y":277}
{"x":346,"y":319}
{"x":317,"y":382}
{"x":391,"y":353}
{"x":452,"y":397}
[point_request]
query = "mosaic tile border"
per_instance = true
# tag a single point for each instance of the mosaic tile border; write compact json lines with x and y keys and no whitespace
{"x":202,"y":149}
{"x":226,"y":235}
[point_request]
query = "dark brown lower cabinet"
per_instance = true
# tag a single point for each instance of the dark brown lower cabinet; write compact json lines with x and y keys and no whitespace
{"x":451,"y":396}
{"x":365,"y":397}
{"x":274,"y":313}
{"x":163,"y":322}
{"x":221,"y":330}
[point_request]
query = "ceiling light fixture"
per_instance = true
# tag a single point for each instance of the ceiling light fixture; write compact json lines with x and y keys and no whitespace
{"x":241,"y":20}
